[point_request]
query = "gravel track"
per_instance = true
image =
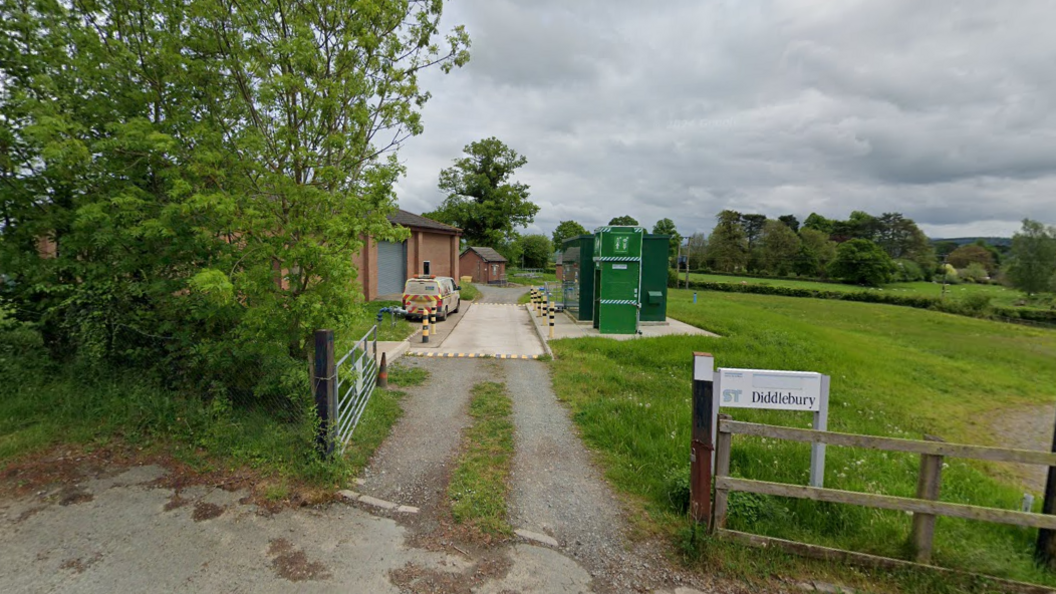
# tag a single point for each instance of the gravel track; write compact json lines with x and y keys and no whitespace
{"x":409,"y":468}
{"x":490,"y":294}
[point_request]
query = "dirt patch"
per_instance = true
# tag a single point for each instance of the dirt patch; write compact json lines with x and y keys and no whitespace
{"x":175,"y":501}
{"x":206,"y":511}
{"x":78,"y":565}
{"x":29,"y":513}
{"x":293,"y":564}
{"x":72,"y":495}
{"x":431,"y":581}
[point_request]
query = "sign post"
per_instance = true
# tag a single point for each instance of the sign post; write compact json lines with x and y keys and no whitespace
{"x":778,"y":390}
{"x":702,"y":448}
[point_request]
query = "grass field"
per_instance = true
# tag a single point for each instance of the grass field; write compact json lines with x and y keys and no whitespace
{"x":895,"y":371}
{"x":999,"y":295}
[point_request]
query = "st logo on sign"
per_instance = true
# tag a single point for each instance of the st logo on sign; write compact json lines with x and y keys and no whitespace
{"x":731,"y":396}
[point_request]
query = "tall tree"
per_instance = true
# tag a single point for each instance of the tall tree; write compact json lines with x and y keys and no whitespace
{"x":817,"y":252}
{"x":1033,"y":258}
{"x":971,"y":253}
{"x":779,"y":246}
{"x":728,"y":245}
{"x":202,"y":171}
{"x":566,"y":229}
{"x":667,"y":227}
{"x":860,"y":225}
{"x":790,"y":221}
{"x":481,"y":198}
{"x":818,"y":223}
{"x":861,"y":261}
{"x":624,"y":220}
{"x":536,"y":250}
{"x":753,"y":228}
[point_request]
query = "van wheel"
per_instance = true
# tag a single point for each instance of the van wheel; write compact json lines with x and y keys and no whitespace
{"x":457,"y":306}
{"x":443,"y":317}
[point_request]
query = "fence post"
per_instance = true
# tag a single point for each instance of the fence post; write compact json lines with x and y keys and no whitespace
{"x":325,"y":389}
{"x":928,"y":483}
{"x":701,"y":446}
{"x":1045,"y":549}
{"x":723,"y":443}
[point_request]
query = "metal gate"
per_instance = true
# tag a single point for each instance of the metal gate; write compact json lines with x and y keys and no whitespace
{"x":392,"y":267}
{"x":357,"y":374}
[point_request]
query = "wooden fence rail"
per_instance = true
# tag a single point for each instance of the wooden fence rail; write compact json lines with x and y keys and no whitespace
{"x":925,"y":507}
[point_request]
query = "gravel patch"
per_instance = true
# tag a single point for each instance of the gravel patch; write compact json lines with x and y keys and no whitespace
{"x":1027,"y":429}
{"x":490,"y":294}
{"x":557,"y":490}
{"x":411,"y":466}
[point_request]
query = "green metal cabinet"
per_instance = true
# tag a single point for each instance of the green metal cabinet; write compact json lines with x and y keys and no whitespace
{"x":655,"y":252}
{"x":617,"y":279}
{"x":578,"y":276}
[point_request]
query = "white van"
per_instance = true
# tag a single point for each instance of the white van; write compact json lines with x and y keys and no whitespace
{"x":431,"y":291}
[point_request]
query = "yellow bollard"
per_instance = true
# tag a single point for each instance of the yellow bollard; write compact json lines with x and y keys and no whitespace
{"x":425,"y":326}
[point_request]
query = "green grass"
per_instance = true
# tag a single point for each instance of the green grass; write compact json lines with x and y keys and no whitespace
{"x":999,"y":295}
{"x":479,"y":483}
{"x":895,"y":371}
{"x":386,"y":330}
{"x":469,"y":292}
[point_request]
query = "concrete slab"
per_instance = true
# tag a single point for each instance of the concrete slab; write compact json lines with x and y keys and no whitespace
{"x":566,"y":327}
{"x":393,"y":349}
{"x":490,"y":329}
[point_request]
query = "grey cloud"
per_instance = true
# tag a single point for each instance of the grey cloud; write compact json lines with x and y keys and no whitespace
{"x":940,"y":110}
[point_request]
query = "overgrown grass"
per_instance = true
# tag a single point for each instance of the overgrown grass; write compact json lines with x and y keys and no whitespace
{"x":479,"y":483}
{"x":44,"y":404}
{"x":515,"y":275}
{"x":998,"y":294}
{"x":895,"y":371}
{"x":386,"y":329}
{"x":469,"y":292}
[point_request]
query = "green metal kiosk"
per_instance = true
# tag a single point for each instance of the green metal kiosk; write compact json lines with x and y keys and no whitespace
{"x":617,"y":279}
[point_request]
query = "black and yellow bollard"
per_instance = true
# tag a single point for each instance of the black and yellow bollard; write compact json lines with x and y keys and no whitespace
{"x":532,"y":301}
{"x":544,"y":300}
{"x":432,"y":318}
{"x":425,"y":326}
{"x":551,"y":321}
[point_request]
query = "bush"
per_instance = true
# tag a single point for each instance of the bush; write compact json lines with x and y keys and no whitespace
{"x":908,"y":271}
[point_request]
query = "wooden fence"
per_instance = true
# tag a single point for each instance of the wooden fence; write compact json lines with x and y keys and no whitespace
{"x":925,"y":506}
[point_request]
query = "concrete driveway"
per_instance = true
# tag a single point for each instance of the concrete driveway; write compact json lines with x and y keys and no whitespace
{"x":494,"y":326}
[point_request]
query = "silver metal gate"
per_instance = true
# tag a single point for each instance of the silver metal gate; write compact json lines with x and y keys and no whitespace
{"x":357,"y":374}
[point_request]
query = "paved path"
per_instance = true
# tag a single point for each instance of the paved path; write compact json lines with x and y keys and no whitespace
{"x":494,"y":325}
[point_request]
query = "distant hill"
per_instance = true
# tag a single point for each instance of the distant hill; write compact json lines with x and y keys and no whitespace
{"x":994,"y":241}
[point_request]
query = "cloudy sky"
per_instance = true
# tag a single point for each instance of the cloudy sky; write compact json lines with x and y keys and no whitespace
{"x":941,"y":110}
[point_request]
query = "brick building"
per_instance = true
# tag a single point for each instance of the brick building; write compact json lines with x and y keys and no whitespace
{"x":484,"y":264}
{"x":385,"y":265}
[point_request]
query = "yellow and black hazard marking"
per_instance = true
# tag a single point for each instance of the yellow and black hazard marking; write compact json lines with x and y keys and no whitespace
{"x":470,"y":355}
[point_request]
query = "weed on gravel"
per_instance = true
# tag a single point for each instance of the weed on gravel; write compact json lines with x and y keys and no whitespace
{"x":480,"y":482}
{"x":406,"y":377}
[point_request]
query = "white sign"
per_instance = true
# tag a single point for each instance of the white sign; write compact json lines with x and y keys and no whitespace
{"x":619,"y":267}
{"x":780,"y":390}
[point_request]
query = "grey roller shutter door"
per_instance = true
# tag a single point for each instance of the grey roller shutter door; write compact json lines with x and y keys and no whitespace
{"x":392,"y":267}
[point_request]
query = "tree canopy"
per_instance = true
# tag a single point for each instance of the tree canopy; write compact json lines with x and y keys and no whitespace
{"x":861,"y":261}
{"x":624,"y":220}
{"x":1033,"y":264}
{"x":667,"y":227}
{"x":202,"y":175}
{"x":728,"y":245}
{"x":482,"y":199}
{"x":566,"y":229}
{"x":536,"y":250}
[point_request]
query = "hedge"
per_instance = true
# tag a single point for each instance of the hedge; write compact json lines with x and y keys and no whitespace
{"x":966,"y":308}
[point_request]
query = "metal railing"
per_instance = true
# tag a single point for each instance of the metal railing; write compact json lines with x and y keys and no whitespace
{"x":357,"y":375}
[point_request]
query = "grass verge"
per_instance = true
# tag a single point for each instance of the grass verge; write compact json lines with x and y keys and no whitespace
{"x":896,"y":371}
{"x":479,"y":483}
{"x":469,"y":292}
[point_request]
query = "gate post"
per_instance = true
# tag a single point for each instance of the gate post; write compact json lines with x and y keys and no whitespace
{"x":701,"y":447}
{"x":325,"y":384}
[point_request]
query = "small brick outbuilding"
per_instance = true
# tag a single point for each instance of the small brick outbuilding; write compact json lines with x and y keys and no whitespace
{"x":385,"y":265}
{"x":484,"y":264}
